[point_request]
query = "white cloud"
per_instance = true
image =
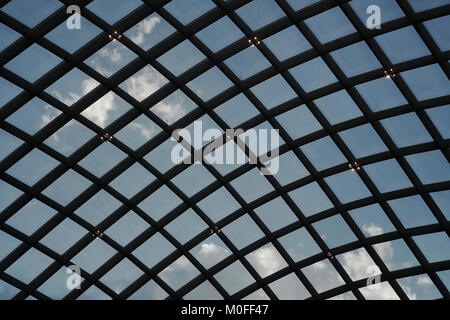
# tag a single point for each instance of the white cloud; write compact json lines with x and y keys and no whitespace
{"x":424,"y":281}
{"x":144,"y":83}
{"x":372,"y":229}
{"x":144,"y":131}
{"x":169,"y":112}
{"x":98,"y":111}
{"x":266,"y":261}
{"x":144,"y":27}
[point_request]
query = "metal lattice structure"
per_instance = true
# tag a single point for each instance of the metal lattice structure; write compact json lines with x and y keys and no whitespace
{"x":143,"y":58}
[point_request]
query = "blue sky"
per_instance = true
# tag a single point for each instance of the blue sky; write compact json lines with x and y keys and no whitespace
{"x":315,"y":177}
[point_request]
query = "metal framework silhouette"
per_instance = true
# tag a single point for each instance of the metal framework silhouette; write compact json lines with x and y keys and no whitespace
{"x":36,"y":35}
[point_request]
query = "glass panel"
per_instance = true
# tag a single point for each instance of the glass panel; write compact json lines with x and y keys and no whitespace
{"x":9,"y":194}
{"x":299,"y":244}
{"x":33,"y":167}
{"x":419,"y":287}
{"x":287,"y":43}
{"x":334,"y":231}
{"x":299,"y":122}
{"x":363,"y":141}
{"x":160,"y":202}
{"x":348,"y":186}
{"x":412,"y":211}
{"x":69,"y":138}
{"x":441,"y":119}
{"x":102,"y":159}
{"x":236,"y":111}
{"x":127,"y":228}
{"x":133,"y":180}
{"x":9,"y":91}
{"x":313,"y":75}
{"x":266,"y":260}
{"x":310,"y":199}
{"x":273,"y":91}
{"x":149,"y":291}
{"x":323,"y":276}
{"x":372,"y":220}
{"x":436,"y":28}
{"x":243,"y":231}
{"x":186,"y":226}
{"x":155,"y":249}
{"x":31,"y":217}
{"x":442,"y":199}
{"x":427,"y":82}
{"x":9,"y":243}
{"x":430,"y":167}
{"x":56,"y":287}
{"x":179,"y":273}
{"x":94,"y":255}
{"x":138,"y":132}
{"x":356,"y":59}
{"x":187,"y":12}
{"x":379,"y":291}
{"x":434,"y":246}
{"x":371,"y":93}
{"x":246,"y":185}
{"x":290,"y":169}
{"x":67,"y":187}
{"x":338,"y":107}
{"x":402,"y":45}
{"x":8,"y":36}
{"x":390,"y":9}
{"x":323,"y":154}
{"x":205,"y":291}
{"x":220,"y":34}
{"x":406,"y":130}
{"x":181,"y":58}
{"x":195,"y":178}
{"x":64,"y":236}
{"x":29,"y":266}
{"x":72,"y":40}
{"x":218,"y":204}
{"x":211,"y":251}
{"x":289,"y":288}
{"x":330,"y":25}
{"x":388,"y":176}
{"x":121,"y":276}
{"x":106,"y":110}
{"x":234,"y":277}
{"x":31,"y":13}
{"x":150,"y":31}
{"x":276,"y":214}
{"x":247,"y":63}
{"x":210,"y":84}
{"x":396,"y":254}
{"x":113,"y":10}
{"x":258,"y":14}
{"x":144,"y":83}
{"x":97,"y":208}
{"x":174,"y":107}
{"x":357,"y":264}
{"x":33,"y":116}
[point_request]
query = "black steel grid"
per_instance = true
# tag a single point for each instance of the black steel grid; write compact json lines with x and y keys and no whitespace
{"x":36,"y":35}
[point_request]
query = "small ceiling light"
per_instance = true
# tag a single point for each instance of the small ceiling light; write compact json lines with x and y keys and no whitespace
{"x":254,"y":41}
{"x":106,"y":137}
{"x":389,"y":73}
{"x":98,"y":234}
{"x":354,"y":166}
{"x":114,"y":36}
{"x":215,"y":230}
{"x":330,"y":255}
